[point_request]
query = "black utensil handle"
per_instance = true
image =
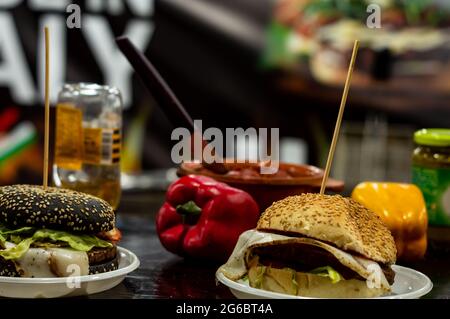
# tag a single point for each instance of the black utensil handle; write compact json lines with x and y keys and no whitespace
{"x":159,"y":89}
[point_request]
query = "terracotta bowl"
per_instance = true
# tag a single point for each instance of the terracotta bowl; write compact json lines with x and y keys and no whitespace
{"x":291,"y":179}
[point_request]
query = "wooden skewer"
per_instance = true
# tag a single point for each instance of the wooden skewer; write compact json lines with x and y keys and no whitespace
{"x":47,"y":107}
{"x":339,"y":118}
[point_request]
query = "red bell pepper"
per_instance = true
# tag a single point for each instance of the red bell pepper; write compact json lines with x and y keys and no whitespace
{"x":203,"y":218}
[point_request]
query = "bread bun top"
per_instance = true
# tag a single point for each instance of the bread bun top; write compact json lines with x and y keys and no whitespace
{"x":54,"y":208}
{"x":337,"y":220}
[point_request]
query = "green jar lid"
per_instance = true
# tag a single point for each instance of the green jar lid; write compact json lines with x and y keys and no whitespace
{"x":433,"y":137}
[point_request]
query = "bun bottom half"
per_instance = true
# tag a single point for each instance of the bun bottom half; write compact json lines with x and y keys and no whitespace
{"x":290,"y":282}
{"x":9,"y":269}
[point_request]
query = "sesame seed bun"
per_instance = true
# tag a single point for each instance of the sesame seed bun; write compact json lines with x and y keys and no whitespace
{"x":110,"y":265}
{"x":8,"y":268}
{"x":339,"y":221}
{"x":54,"y":208}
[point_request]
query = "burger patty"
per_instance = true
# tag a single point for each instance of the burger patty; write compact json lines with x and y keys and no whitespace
{"x":304,"y":258}
{"x":101,"y":255}
{"x":389,"y":273}
{"x":103,"y":260}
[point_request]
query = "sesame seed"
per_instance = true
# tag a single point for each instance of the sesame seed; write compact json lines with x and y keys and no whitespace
{"x":335,"y":219}
{"x":20,"y":205}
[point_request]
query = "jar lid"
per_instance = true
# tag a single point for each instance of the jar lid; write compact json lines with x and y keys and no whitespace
{"x":433,"y":137}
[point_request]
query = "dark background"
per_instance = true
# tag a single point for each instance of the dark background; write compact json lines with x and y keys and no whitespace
{"x":210,"y":54}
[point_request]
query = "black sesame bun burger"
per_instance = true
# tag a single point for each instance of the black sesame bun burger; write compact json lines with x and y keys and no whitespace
{"x":45,"y":233}
{"x":316,"y":246}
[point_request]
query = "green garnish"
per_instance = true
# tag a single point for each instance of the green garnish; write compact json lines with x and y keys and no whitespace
{"x":329,"y":272}
{"x":259,"y":276}
{"x":26,"y":236}
{"x":294,"y":281}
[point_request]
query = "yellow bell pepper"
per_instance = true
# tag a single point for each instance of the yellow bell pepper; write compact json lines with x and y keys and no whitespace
{"x":403,"y":210}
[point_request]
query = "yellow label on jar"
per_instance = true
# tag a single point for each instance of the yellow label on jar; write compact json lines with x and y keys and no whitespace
{"x":116,"y":146}
{"x":68,"y":137}
{"x":92,"y":145}
{"x":110,"y":147}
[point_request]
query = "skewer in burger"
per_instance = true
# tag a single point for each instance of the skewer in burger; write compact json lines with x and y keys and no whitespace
{"x":316,"y":246}
{"x":45,"y":233}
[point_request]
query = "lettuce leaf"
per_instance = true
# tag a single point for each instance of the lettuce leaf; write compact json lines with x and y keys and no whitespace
{"x":18,"y":250}
{"x":329,"y":272}
{"x":2,"y":241}
{"x":294,"y":281}
{"x":21,"y":231}
{"x":16,"y":239}
{"x":26,"y":236}
{"x":260,"y":276}
{"x":245,"y":279}
{"x":77,"y":242}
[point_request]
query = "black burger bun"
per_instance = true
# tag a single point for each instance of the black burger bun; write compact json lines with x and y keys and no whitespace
{"x":103,"y":260}
{"x":8,"y":268}
{"x":54,"y":208}
{"x":105,"y":266}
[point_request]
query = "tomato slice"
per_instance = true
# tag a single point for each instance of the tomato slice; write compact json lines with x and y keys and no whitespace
{"x":113,"y":235}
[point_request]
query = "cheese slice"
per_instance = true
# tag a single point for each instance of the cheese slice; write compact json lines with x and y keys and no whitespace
{"x":52,"y":262}
{"x":68,"y":262}
{"x":236,"y":268}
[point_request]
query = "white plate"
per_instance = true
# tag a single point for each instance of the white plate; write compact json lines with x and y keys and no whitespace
{"x":408,"y":284}
{"x":14,"y":287}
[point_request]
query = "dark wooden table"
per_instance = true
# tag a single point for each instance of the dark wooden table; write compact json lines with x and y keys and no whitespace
{"x":161,"y":274}
{"x":164,"y":275}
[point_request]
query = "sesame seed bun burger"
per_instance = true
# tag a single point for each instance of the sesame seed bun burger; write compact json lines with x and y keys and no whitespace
{"x":316,"y":246}
{"x":44,"y":233}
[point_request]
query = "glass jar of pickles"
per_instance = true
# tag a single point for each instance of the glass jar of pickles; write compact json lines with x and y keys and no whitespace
{"x":431,"y":172}
{"x":88,"y":140}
